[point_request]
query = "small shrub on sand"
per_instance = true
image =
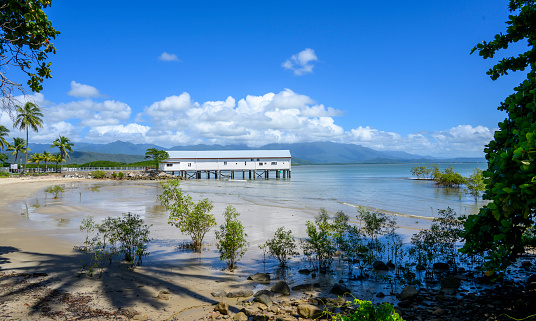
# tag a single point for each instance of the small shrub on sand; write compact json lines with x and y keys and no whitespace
{"x":231,"y":238}
{"x":99,"y":174}
{"x":282,"y":246}
{"x":56,"y":190}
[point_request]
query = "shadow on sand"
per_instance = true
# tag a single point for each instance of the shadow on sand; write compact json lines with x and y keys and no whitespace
{"x":119,"y":286}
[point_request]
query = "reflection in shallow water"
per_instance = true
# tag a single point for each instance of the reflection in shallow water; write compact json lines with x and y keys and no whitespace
{"x":264,"y":206}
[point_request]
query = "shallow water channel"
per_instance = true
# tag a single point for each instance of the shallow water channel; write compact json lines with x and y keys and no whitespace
{"x":264,"y":206}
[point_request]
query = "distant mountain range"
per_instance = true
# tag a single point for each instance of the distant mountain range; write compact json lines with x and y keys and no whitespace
{"x":302,"y":153}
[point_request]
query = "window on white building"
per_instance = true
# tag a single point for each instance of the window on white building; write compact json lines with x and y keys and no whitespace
{"x":274,"y":163}
{"x":224,"y":163}
{"x":260,"y":164}
{"x":169,"y":165}
{"x":189,"y":164}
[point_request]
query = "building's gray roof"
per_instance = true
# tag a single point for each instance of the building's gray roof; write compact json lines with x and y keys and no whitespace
{"x":230,"y":154}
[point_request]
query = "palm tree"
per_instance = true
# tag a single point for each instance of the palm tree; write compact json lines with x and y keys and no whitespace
{"x":3,"y":133}
{"x":28,"y":116}
{"x":47,"y":157}
{"x":64,"y":144}
{"x":36,"y":158}
{"x":57,"y":158}
{"x":17,"y":147}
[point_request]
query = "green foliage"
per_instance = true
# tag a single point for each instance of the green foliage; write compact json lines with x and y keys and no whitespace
{"x":4,"y":174}
{"x":376,"y":224}
{"x":56,"y":158}
{"x":114,"y":175}
{"x":18,"y":146}
{"x":438,"y":242}
{"x":497,"y":231}
{"x":25,"y":42}
{"x":450,"y":178}
{"x":421,"y":171}
{"x":28,"y":116}
{"x":102,"y":163}
{"x":282,"y":246}
{"x":231,"y":238}
{"x":475,"y":184}
{"x":191,"y":218}
{"x":435,"y":173}
{"x":56,"y":190}
{"x":133,"y":237}
{"x":98,"y":174}
{"x":65,"y":146}
{"x":320,"y":242}
{"x":367,"y":311}
{"x":125,"y":235}
{"x":4,"y":132}
{"x":88,"y":226}
{"x":156,"y":155}
{"x":120,"y":175}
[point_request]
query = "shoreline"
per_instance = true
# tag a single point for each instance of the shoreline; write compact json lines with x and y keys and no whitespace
{"x":189,"y":281}
{"x":31,"y":258}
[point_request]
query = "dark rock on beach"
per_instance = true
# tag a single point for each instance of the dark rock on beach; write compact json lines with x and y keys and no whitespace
{"x":450,"y":282}
{"x":240,"y":294}
{"x":264,"y":299}
{"x":441,"y":266}
{"x":339,"y":289}
{"x":260,"y":277}
{"x":379,"y":265}
{"x":281,"y":287}
{"x":219,"y":294}
{"x":303,"y":287}
{"x":222,"y":308}
{"x":409,"y":292}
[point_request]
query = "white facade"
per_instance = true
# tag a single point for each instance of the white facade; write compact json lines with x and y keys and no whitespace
{"x":227,"y":160}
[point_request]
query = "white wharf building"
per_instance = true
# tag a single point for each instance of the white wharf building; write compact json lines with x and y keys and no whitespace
{"x":251,"y":164}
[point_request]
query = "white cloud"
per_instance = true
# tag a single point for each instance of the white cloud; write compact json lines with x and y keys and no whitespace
{"x":90,"y":113}
{"x":460,"y":141}
{"x":302,"y":62}
{"x":84,"y":91}
{"x":282,"y":117}
{"x":52,"y":131}
{"x":168,"y":57}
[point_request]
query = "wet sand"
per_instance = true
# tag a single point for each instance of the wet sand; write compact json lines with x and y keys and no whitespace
{"x":184,"y":280}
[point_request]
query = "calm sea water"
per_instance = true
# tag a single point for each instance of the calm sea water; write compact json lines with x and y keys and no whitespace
{"x":264,"y":205}
{"x":384,"y":187}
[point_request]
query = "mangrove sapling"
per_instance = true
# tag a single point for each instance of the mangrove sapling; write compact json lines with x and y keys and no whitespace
{"x":352,"y":247}
{"x":450,"y":228}
{"x":231,"y":238}
{"x":191,"y":218}
{"x":282,"y":246}
{"x":102,"y":245}
{"x":376,"y":224}
{"x":113,"y":236}
{"x":133,"y":238}
{"x":56,"y":190}
{"x":423,"y":248}
{"x":88,"y":226}
{"x":320,"y":242}
{"x":395,"y":250}
{"x":340,"y":229}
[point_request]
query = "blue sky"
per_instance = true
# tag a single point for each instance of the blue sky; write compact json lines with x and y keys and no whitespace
{"x":390,"y":75}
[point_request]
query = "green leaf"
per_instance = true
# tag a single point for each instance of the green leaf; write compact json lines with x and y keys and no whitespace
{"x":507,"y":190}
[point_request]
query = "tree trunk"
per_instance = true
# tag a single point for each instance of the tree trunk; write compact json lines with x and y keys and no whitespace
{"x":26,"y":158}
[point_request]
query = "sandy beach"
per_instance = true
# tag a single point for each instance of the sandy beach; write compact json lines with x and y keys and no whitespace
{"x":40,"y":272}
